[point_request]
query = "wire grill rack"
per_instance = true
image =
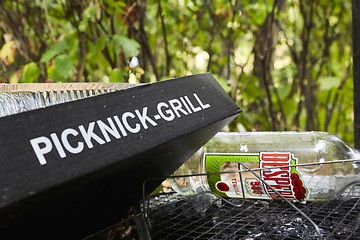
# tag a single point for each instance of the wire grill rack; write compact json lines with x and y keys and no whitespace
{"x":208,"y":216}
{"x":203,"y":216}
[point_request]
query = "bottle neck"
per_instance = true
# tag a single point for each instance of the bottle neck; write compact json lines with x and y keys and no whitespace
{"x":347,"y":152}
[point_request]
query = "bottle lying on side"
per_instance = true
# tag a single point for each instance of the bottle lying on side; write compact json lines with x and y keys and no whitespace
{"x":300,"y":166}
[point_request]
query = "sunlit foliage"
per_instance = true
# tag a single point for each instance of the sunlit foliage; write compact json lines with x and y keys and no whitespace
{"x":288,"y":64}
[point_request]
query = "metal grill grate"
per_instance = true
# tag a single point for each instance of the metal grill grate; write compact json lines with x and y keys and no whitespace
{"x":207,"y":216}
{"x":203,"y":216}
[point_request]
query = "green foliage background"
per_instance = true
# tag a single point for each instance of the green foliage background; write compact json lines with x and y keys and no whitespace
{"x":288,"y":64}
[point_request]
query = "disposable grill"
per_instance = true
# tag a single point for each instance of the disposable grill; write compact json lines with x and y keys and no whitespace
{"x":203,"y":216}
{"x":207,"y":216}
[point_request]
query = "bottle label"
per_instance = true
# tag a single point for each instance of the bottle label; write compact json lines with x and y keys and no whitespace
{"x":272,"y":169}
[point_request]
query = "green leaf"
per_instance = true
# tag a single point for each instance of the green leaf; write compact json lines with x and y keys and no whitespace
{"x":290,"y":106}
{"x":101,"y":42}
{"x":83,"y":25}
{"x":54,"y":50}
{"x":8,"y":53}
{"x":55,"y":75}
{"x":116,"y":7}
{"x":326,"y":83}
{"x":130,"y":46}
{"x":31,"y":72}
{"x":117,"y":75}
{"x":117,"y":44}
{"x":284,"y":91}
{"x":90,"y":13}
{"x":63,"y":65}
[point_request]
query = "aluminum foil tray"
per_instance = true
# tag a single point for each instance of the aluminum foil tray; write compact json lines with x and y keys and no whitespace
{"x":16,"y":98}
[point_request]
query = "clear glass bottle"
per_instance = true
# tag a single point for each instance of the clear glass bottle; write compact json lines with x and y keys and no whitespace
{"x":313,"y":178}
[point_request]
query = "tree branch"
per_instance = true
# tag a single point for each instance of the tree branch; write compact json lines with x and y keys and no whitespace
{"x":163,"y":27}
{"x":329,"y":112}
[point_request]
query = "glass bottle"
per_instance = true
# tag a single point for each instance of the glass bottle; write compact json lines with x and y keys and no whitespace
{"x":300,"y":166}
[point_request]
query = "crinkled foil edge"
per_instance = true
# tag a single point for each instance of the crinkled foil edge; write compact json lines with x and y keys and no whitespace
{"x":17,"y":98}
{"x":46,"y":87}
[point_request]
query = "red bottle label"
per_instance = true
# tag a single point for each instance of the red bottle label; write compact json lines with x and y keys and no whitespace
{"x":280,"y":176}
{"x":278,"y":172}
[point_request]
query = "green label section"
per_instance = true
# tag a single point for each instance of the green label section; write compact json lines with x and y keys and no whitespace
{"x":293,"y":169}
{"x":232,"y":158}
{"x":213,"y":163}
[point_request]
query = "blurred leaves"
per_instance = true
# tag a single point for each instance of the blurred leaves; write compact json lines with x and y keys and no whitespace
{"x":90,"y":14}
{"x":54,"y":74}
{"x":8,"y":53}
{"x":54,"y":50}
{"x":327,"y":83}
{"x":63,"y":65}
{"x":31,"y":73}
{"x":117,"y":75}
{"x":129,"y":46}
{"x":285,"y":63}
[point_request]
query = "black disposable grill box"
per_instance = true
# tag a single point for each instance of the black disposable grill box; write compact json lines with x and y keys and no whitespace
{"x":72,"y":169}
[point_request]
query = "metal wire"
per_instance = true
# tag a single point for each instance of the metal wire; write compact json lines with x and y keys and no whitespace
{"x":241,"y":224}
{"x":174,"y":217}
{"x":287,"y":201}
